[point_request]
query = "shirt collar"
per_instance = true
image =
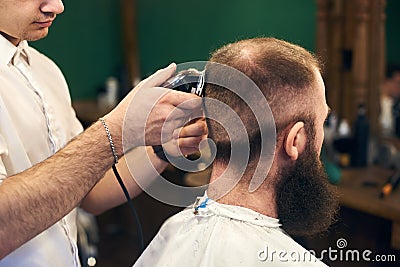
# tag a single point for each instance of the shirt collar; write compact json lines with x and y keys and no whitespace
{"x":11,"y":53}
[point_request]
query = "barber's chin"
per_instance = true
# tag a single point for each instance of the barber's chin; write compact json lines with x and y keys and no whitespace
{"x":37,"y":35}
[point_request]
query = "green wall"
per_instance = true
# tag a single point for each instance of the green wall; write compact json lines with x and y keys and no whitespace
{"x":393,"y":31}
{"x":189,"y":30}
{"x":86,"y":42}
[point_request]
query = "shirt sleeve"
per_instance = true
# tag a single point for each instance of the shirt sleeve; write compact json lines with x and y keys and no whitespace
{"x":3,"y":153}
{"x":77,"y":127}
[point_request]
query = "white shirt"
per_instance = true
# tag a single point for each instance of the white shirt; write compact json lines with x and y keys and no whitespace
{"x":36,"y":120}
{"x":212,"y":234}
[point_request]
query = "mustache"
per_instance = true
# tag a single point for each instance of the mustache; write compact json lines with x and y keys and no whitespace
{"x":46,"y":16}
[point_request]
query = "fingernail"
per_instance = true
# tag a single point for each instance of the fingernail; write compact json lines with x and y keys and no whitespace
{"x":171,"y":65}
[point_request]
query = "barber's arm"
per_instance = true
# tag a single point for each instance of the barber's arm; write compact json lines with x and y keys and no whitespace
{"x":33,"y":200}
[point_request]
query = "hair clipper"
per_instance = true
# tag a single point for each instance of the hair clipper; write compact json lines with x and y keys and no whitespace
{"x":189,"y":81}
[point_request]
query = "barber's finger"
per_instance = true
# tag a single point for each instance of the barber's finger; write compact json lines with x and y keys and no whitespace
{"x":197,"y":128}
{"x":187,"y":145}
{"x":193,"y":142}
{"x":190,"y":145}
{"x":181,"y":126}
{"x":183,"y":100}
{"x":178,"y":118}
{"x":157,"y":78}
{"x":189,"y":150}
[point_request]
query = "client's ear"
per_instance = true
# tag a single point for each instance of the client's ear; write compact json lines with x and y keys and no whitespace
{"x":295,"y":141}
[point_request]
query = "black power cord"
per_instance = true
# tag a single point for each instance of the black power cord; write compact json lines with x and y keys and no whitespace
{"x":121,"y":183}
{"x":130,"y":202}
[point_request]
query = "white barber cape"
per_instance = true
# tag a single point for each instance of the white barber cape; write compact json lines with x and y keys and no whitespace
{"x":212,"y":234}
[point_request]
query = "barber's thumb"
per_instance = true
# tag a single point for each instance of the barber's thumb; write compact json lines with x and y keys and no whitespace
{"x":160,"y":76}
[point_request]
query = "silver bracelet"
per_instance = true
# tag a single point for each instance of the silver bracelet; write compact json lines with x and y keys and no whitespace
{"x":110,"y":140}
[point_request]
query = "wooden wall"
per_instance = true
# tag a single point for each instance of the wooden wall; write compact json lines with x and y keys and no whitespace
{"x":351,"y":40}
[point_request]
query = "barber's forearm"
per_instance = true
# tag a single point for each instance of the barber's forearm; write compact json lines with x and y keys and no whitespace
{"x":35,"y":199}
{"x":108,"y":193}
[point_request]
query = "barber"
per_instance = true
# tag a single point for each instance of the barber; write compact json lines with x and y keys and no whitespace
{"x":48,"y":166}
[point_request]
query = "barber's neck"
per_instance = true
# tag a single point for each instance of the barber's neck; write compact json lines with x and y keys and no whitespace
{"x":261,"y":200}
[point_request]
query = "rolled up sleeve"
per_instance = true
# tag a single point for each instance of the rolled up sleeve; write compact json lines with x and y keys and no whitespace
{"x":3,"y":154}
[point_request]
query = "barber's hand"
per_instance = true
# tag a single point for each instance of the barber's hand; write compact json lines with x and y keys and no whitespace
{"x":186,"y":140}
{"x":147,"y":111}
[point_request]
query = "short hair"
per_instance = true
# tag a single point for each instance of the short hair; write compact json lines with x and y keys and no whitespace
{"x":285,"y":74}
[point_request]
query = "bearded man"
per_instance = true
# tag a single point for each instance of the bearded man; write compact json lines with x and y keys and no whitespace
{"x":232,"y":225}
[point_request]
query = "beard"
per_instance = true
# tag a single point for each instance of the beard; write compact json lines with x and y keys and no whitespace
{"x":306,"y":202}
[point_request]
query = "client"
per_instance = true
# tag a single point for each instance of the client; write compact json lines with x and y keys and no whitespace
{"x":251,"y":228}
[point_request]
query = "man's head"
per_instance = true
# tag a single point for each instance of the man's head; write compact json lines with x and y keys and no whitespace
{"x":290,"y":79}
{"x":27,"y":19}
{"x":287,"y":75}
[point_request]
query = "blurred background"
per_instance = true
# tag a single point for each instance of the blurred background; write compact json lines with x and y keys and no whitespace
{"x":103,"y":44}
